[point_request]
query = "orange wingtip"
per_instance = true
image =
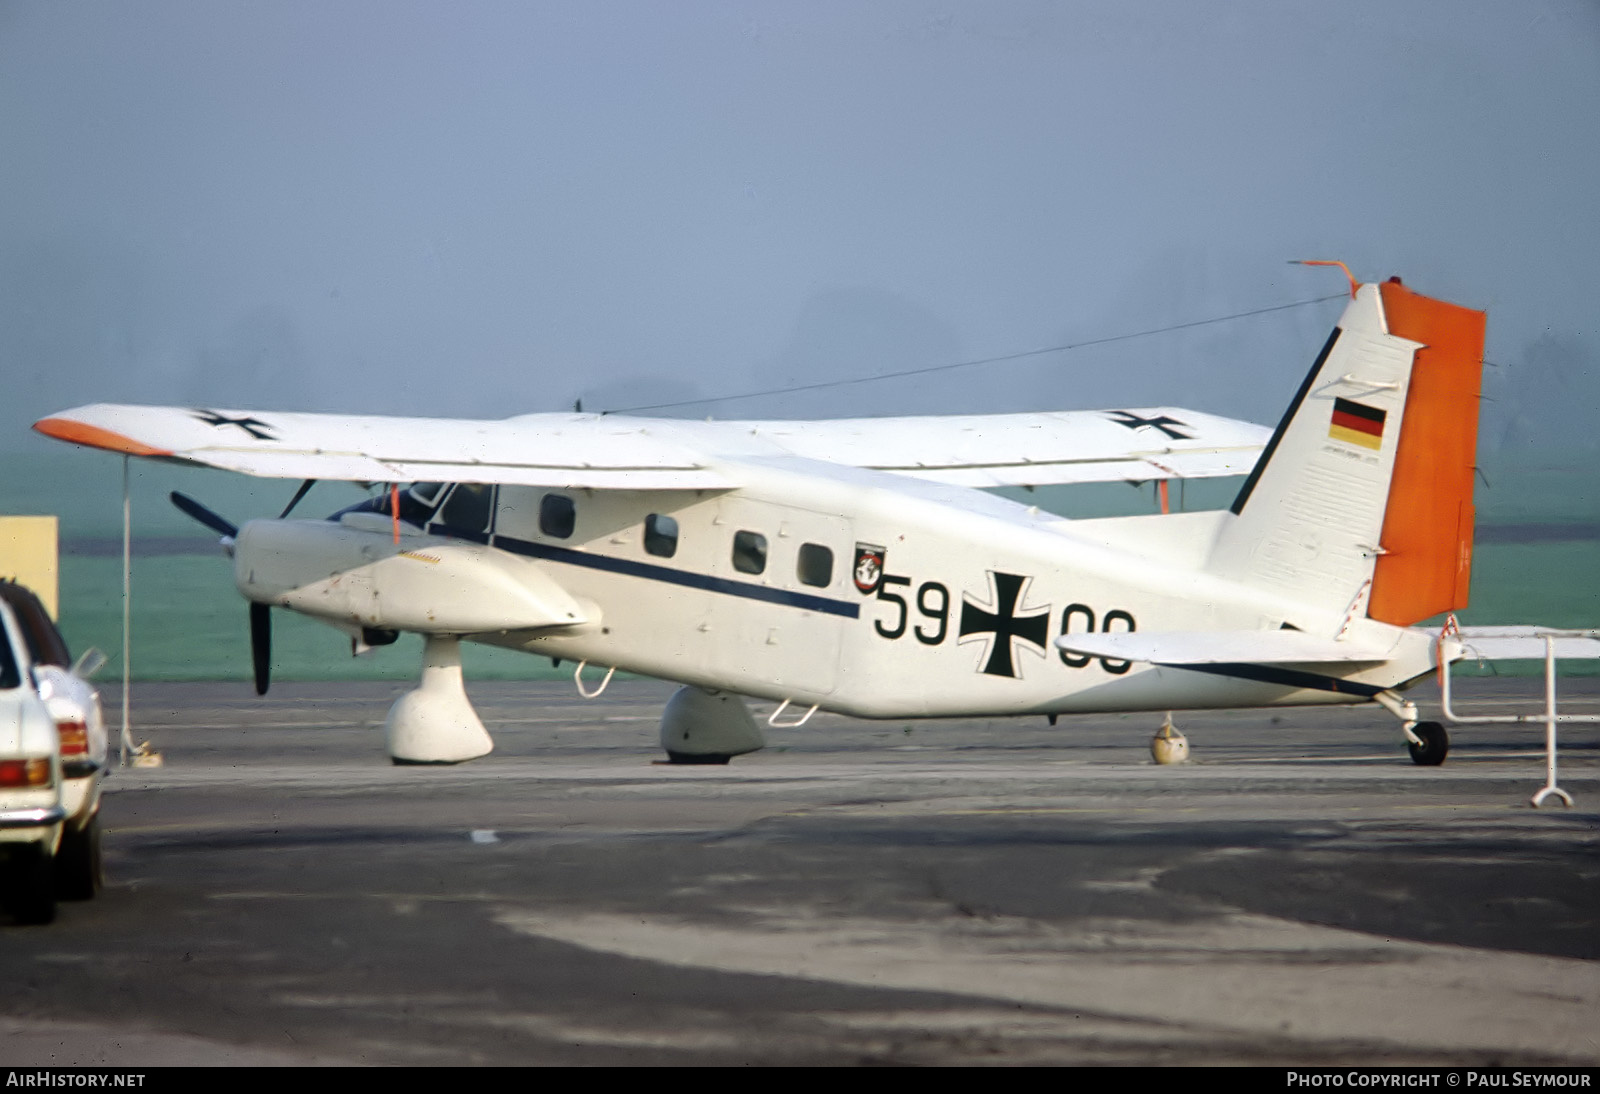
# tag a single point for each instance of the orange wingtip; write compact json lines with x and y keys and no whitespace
{"x":64,"y":429}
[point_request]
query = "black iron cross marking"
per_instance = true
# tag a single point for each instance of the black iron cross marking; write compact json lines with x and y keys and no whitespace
{"x":1163,"y":423}
{"x":253,"y":426}
{"x":1002,"y":623}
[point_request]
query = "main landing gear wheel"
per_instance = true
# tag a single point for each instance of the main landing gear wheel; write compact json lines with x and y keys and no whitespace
{"x":435,"y":723}
{"x":1435,"y":744}
{"x":707,"y":727}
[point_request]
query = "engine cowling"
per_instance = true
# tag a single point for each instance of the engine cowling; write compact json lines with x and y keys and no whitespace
{"x":348,"y":576}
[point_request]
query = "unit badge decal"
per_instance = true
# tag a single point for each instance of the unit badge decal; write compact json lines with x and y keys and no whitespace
{"x":1002,"y":623}
{"x":868,"y":568}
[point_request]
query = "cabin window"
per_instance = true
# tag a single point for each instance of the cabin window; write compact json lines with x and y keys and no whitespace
{"x":469,"y":508}
{"x":661,"y":535}
{"x":814,"y":566}
{"x":749,"y":552}
{"x":557,"y":516}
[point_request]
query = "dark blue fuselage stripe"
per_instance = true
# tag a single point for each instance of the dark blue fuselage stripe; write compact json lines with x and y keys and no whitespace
{"x":650,"y":571}
{"x":1293,"y":678}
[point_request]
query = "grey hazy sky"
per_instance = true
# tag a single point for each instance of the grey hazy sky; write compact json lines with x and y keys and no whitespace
{"x":484,"y":209}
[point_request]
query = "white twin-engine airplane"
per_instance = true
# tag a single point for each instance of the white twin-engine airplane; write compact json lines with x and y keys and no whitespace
{"x":856,"y":566}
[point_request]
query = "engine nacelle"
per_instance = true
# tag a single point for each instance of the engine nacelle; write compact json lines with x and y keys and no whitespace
{"x":351,"y":576}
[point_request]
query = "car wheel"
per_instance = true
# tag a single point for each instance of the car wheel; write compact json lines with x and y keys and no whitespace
{"x":30,"y":892}
{"x":78,"y":875}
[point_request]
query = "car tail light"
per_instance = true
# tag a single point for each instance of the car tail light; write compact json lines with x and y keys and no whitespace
{"x":35,"y":772}
{"x":74,"y":738}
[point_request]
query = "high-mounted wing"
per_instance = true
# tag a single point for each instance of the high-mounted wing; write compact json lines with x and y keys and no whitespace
{"x":615,"y":451}
{"x":1038,"y":449}
{"x":560,"y":450}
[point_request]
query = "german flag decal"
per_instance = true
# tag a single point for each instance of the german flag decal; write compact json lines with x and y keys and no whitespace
{"x":1357,"y":423}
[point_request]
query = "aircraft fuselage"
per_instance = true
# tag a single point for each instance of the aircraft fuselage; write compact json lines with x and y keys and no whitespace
{"x":860,"y":592}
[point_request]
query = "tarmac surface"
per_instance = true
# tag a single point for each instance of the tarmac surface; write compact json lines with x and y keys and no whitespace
{"x":962,"y":892}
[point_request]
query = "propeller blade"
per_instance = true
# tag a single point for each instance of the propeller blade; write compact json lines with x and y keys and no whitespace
{"x":261,"y":645}
{"x":298,"y":494}
{"x":194,"y":509}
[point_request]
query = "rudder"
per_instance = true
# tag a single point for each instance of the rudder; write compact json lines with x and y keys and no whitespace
{"x":1427,"y":530}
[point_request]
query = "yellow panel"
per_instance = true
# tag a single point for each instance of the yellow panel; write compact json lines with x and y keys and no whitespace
{"x":28,"y":554}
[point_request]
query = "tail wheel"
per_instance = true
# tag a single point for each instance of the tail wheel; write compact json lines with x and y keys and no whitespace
{"x":78,"y":872}
{"x":1435,"y":744}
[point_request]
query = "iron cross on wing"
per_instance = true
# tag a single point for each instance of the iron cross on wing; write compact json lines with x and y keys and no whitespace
{"x":1163,"y":423}
{"x":253,"y":426}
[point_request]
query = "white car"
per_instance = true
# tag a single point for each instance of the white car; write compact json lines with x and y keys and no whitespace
{"x":52,"y":758}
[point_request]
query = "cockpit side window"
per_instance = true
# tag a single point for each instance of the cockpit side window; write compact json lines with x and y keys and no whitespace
{"x":469,"y":508}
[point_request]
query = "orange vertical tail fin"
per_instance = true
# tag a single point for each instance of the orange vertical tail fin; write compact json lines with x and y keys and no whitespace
{"x":1427,"y":525}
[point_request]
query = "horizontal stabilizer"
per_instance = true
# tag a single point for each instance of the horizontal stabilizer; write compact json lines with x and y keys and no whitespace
{"x":1217,"y":647}
{"x":1525,"y":642}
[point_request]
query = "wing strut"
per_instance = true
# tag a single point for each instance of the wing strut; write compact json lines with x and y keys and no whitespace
{"x":298,"y":494}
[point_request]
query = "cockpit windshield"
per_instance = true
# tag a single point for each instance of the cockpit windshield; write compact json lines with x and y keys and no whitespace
{"x":417,"y":503}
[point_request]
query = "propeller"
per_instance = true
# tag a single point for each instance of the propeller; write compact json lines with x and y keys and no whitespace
{"x":260,"y":614}
{"x":261,"y":645}
{"x":191,"y":508}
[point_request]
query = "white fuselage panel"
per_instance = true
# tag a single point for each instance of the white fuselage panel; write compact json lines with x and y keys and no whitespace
{"x":926,"y":607}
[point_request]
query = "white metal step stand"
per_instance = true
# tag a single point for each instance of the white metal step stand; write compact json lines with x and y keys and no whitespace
{"x":577,"y":678}
{"x":1516,"y":643}
{"x":772,"y":719}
